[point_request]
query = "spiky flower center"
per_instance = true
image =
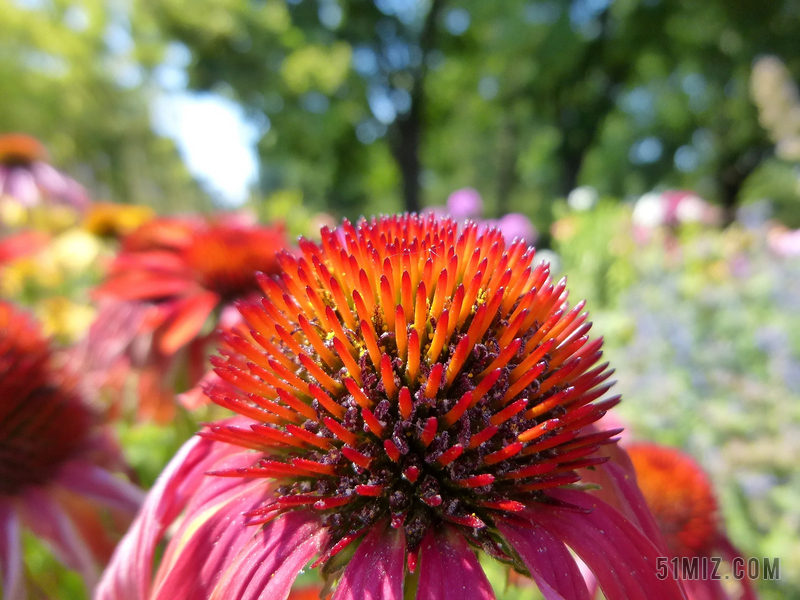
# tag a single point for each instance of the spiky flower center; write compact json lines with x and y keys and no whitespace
{"x":403,"y":371}
{"x":43,"y":423}
{"x":680,"y":496}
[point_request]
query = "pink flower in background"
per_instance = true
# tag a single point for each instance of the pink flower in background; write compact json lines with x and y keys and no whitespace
{"x":27,"y":177}
{"x":671,"y":208}
{"x":784,"y":242}
{"x":464,"y":204}
{"x":410,"y":394}
{"x":56,"y":462}
{"x":518,"y":226}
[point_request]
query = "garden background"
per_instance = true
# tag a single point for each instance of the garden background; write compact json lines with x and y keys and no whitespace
{"x":652,"y":144}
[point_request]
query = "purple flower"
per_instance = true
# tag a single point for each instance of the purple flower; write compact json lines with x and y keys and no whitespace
{"x":465,"y":203}
{"x":26,"y":177}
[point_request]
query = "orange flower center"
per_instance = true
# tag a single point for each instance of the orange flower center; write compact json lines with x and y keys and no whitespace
{"x":226,"y":259}
{"x":403,"y":370}
{"x":680,"y":496}
{"x":17,"y":148}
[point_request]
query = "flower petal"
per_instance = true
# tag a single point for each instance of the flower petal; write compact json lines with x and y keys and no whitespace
{"x":621,"y":557}
{"x":139,"y":286}
{"x":376,"y":570}
{"x":207,"y":539}
{"x":618,"y":487}
{"x":128,"y":576}
{"x":449,"y":569}
{"x":43,"y":515}
{"x":550,"y":563}
{"x":10,"y":554}
{"x":187,"y":321}
{"x":729,"y":553}
{"x":91,"y":481}
{"x":267,"y":567}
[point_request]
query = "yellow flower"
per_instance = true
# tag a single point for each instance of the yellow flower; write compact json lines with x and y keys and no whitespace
{"x":64,"y":319}
{"x":75,"y":250}
{"x":108,"y":219}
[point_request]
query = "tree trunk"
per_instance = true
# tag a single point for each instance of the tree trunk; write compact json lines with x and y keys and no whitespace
{"x":406,"y":139}
{"x":731,"y":178}
{"x":507,"y":169}
{"x":405,"y":148}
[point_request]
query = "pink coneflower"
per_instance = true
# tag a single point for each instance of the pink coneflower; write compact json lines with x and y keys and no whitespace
{"x":414,"y":394}
{"x":683,"y":502}
{"x":26,"y":176}
{"x":55,"y":462}
{"x":170,"y":278}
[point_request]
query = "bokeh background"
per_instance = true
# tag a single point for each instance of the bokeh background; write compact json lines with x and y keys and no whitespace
{"x":650,"y":148}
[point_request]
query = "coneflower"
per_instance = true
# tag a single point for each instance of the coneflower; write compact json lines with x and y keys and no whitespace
{"x":413,"y":394}
{"x":56,"y":462}
{"x":682,"y":499}
{"x":171,"y":276}
{"x":26,"y":176}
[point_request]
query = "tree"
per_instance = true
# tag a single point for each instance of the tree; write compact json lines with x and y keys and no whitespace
{"x":71,"y":75}
{"x":521,"y":99}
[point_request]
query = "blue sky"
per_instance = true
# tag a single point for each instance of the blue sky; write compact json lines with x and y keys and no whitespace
{"x":215,"y":139}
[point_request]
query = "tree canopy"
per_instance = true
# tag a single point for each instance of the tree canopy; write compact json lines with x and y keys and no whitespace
{"x":521,"y":99}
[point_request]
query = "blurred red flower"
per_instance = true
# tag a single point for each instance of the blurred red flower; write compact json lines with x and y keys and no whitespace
{"x":167,"y":289}
{"x":57,"y":462}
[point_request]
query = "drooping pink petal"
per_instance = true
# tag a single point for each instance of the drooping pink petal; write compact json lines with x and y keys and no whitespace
{"x":20,"y":184}
{"x":43,"y":515}
{"x":91,"y":481}
{"x":621,"y":557}
{"x":618,"y":488}
{"x":266,"y":568}
{"x":376,"y":570}
{"x":449,"y":569}
{"x":129,"y":574}
{"x":10,"y":553}
{"x":548,"y":560}
{"x":708,"y":589}
{"x":209,"y":536}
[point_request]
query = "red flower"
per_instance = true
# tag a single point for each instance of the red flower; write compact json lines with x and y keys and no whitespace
{"x":168,"y":280}
{"x":55,"y":460}
{"x":682,"y":500}
{"x":412,"y":394}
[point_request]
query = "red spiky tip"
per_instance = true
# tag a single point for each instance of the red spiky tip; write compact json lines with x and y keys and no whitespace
{"x":43,"y":421}
{"x":680,"y":495}
{"x":404,"y":370}
{"x":18,"y":148}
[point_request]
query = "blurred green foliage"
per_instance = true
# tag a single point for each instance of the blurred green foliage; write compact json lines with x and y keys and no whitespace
{"x":376,"y":106}
{"x":522,"y":99}
{"x":703,"y":330}
{"x":71,"y":76}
